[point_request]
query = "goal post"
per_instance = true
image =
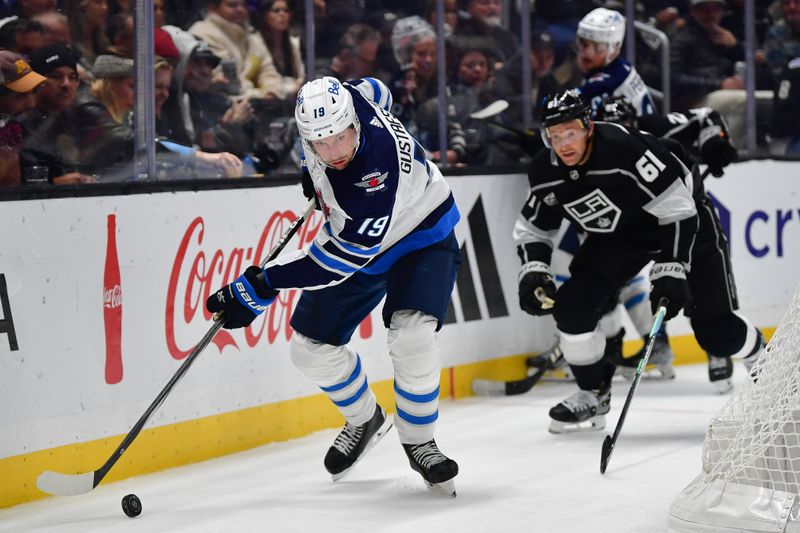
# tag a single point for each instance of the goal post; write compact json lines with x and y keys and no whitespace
{"x":751,"y":454}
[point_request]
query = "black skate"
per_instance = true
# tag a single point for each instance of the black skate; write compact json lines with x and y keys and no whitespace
{"x":435,"y":468}
{"x":720,"y":370}
{"x":560,"y":371}
{"x":354,"y":442}
{"x":583,"y":411}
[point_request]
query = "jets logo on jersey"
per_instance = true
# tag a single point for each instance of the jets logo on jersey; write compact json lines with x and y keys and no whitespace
{"x":375,"y":122}
{"x":595,"y":212}
{"x":373,"y":182}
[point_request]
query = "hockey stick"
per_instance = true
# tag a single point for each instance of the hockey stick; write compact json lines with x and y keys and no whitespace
{"x":490,"y":387}
{"x":610,"y":441}
{"x":72,"y":484}
{"x":495,"y":108}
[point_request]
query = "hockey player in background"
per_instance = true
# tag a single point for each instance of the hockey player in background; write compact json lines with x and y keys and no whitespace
{"x":388,"y":232}
{"x":637,"y":202}
{"x":704,"y":132}
{"x":598,"y":46}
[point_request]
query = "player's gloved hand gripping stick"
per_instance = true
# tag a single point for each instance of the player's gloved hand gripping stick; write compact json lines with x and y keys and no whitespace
{"x":610,"y":441}
{"x":71,"y":484}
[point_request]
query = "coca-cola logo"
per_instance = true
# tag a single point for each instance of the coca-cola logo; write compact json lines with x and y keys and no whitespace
{"x":197,"y":272}
{"x":112,"y":298}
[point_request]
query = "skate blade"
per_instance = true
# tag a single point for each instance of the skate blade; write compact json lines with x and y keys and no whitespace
{"x":723,"y":386}
{"x":445,"y":488}
{"x":596,"y":423}
{"x":651,"y":373}
{"x":382,"y":431}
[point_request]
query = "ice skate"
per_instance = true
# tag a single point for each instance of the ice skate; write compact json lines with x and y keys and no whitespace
{"x":659,"y":365}
{"x":559,"y":372}
{"x":583,"y":411}
{"x":354,"y":442}
{"x":435,"y":468}
{"x":720,"y":370}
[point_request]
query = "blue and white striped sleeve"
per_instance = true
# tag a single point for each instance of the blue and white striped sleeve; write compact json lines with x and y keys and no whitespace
{"x":374,"y":90}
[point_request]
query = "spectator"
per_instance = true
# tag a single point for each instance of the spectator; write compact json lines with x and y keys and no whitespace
{"x":120,"y":33}
{"x":52,"y":138}
{"x":450,"y":15}
{"x":703,"y":55}
{"x":560,"y":19}
{"x":187,"y":156}
{"x":274,"y":22}
{"x":55,"y":28}
{"x":158,"y":13}
{"x":103,"y":117}
{"x":231,"y":37}
{"x":358,"y":49}
{"x":786,"y":109}
{"x":483,"y":28}
{"x":20,"y":35}
{"x":782,"y":41}
{"x":16,"y":97}
{"x":508,"y":83}
{"x":196,"y":113}
{"x":414,"y":44}
{"x":27,"y":9}
{"x":87,"y":20}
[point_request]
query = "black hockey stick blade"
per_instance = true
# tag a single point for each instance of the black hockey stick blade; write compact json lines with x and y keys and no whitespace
{"x":60,"y":484}
{"x":611,"y":440}
{"x":605,"y":455}
{"x":490,"y":387}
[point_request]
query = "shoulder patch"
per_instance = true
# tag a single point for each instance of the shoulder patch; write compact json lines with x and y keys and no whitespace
{"x":373,"y":182}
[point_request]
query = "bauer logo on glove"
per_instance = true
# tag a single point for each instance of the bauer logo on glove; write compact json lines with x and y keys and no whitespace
{"x":243,"y":300}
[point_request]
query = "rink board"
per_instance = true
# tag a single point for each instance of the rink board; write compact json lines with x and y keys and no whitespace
{"x":60,"y":413}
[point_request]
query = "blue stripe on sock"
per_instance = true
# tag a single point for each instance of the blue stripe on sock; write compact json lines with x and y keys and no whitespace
{"x":417,"y":398}
{"x":348,"y":381}
{"x":354,"y":398}
{"x":418,"y":420}
{"x":639,"y":298}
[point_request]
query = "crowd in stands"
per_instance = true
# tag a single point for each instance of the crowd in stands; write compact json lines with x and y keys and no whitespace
{"x":227,"y":73}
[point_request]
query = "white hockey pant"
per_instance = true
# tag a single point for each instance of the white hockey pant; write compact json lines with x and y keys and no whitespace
{"x":414,"y":349}
{"x":337,"y":370}
{"x":583,"y":349}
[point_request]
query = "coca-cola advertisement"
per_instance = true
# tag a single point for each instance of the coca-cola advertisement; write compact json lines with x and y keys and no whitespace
{"x":112,"y":306}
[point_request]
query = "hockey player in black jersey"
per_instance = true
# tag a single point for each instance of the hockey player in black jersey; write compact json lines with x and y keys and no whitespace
{"x":637,"y":202}
{"x":704,"y":132}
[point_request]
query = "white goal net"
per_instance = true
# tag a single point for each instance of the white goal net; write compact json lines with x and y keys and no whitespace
{"x":751,"y":453}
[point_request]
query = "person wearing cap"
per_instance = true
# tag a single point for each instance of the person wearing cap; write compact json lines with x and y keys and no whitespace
{"x":52,"y":139}
{"x":16,"y":97}
{"x":782,"y":40}
{"x":197,"y":113}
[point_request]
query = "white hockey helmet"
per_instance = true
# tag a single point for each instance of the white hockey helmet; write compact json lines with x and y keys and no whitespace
{"x":603,"y":25}
{"x":324,"y":108}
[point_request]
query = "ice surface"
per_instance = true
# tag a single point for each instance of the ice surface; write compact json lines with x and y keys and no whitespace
{"x":515,"y":476}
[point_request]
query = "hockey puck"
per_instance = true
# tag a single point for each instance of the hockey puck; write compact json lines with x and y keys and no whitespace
{"x":131,"y":505}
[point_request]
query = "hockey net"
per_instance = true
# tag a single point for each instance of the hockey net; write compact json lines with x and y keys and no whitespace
{"x":751,"y":453}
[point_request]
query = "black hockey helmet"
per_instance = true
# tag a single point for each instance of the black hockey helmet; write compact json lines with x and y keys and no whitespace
{"x":618,"y":110}
{"x":563,"y":107}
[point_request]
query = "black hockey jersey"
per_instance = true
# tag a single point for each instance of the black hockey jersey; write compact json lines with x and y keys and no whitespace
{"x":631,"y":190}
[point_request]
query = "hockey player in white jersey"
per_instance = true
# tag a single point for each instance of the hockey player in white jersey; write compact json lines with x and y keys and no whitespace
{"x":388,"y":232}
{"x":599,"y":45}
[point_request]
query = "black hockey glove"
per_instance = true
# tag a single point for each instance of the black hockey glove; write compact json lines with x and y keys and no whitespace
{"x":243,"y":300}
{"x":716,"y":150}
{"x":668,"y":280}
{"x":537,"y":291}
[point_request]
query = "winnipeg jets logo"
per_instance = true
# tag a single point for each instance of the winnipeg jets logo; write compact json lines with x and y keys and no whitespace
{"x":595,"y":212}
{"x":375,"y":122}
{"x":550,"y":199}
{"x":373,"y":182}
